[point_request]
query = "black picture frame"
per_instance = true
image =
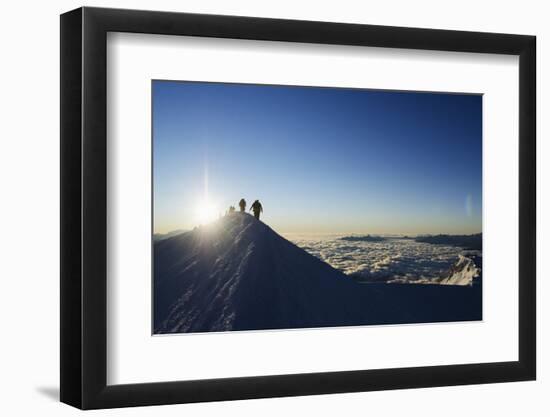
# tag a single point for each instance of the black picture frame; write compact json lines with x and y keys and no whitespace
{"x":84,"y":207}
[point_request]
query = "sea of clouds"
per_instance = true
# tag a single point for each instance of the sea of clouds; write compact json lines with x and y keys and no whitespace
{"x":395,"y":259}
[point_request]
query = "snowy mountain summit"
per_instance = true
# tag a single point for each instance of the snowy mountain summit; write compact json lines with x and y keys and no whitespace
{"x":238,"y":274}
{"x":463,"y":272}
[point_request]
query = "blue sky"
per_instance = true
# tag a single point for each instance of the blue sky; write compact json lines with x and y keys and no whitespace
{"x":321,"y":160}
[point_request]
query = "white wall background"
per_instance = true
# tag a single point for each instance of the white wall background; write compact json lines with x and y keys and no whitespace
{"x":29,"y":175}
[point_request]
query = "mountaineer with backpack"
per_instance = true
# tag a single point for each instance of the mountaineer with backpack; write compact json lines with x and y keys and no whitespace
{"x":257,"y":208}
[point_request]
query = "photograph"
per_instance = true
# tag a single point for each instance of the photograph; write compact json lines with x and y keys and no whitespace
{"x":278,"y":204}
{"x":293,"y":207}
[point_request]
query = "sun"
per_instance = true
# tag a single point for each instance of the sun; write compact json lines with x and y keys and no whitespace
{"x":206,"y":212}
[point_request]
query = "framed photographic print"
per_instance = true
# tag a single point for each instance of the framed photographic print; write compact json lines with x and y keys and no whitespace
{"x":257,"y":208}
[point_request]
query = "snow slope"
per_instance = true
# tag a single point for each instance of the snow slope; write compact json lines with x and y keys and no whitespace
{"x":238,"y":274}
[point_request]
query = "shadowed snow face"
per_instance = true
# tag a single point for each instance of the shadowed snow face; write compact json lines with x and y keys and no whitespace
{"x":391,"y":260}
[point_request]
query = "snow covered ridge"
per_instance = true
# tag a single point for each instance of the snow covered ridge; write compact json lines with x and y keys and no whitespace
{"x":239,"y":274}
{"x":463,"y":272}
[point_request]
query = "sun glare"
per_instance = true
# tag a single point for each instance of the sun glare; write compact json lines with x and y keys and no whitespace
{"x":206,"y":212}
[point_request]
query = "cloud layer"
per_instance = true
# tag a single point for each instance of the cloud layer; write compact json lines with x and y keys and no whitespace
{"x":394,"y":259}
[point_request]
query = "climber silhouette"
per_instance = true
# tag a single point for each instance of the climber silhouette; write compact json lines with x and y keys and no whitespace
{"x":257,"y":208}
{"x":242,"y":205}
